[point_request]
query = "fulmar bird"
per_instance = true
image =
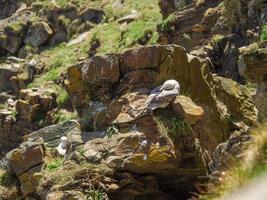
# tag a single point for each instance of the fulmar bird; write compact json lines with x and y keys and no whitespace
{"x":161,"y":96}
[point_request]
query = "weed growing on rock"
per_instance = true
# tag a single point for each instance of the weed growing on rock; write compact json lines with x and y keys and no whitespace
{"x":166,"y":24}
{"x":112,"y":130}
{"x":95,"y":195}
{"x":173,"y":126}
{"x":62,"y":98}
{"x":55,"y":164}
{"x":6,"y":179}
{"x":263,"y":35}
{"x":217,"y":38}
{"x":186,"y":36}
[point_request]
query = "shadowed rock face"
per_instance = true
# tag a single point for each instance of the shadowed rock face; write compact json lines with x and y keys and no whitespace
{"x":8,"y":7}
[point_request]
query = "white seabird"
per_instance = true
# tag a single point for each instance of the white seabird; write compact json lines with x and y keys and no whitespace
{"x":63,"y":146}
{"x":163,"y":95}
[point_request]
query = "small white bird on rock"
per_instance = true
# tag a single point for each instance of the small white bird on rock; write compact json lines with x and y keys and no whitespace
{"x":63,"y":146}
{"x":163,"y":95}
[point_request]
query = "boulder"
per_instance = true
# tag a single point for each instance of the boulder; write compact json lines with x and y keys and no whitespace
{"x":34,"y":102}
{"x":92,"y":15}
{"x":27,"y":111}
{"x":26,"y":161}
{"x":101,"y":69}
{"x":8,"y":8}
{"x":185,"y":107}
{"x":38,"y":34}
{"x":142,"y":58}
{"x":52,"y":134}
{"x":129,"y":18}
{"x":124,"y":153}
{"x":6,"y":72}
{"x":29,"y":155}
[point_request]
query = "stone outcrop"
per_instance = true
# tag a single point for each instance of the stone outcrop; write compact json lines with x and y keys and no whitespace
{"x":8,"y":7}
{"x":191,"y":25}
{"x":52,"y":134}
{"x":185,"y":107}
{"x":252,"y":64}
{"x":38,"y":34}
{"x":185,"y":132}
{"x":37,"y":28}
{"x":16,"y":74}
{"x":213,"y":28}
{"x":35,"y":102}
{"x":25,"y":161}
{"x":161,"y":63}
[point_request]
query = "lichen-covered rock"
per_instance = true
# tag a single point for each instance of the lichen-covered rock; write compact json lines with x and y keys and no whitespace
{"x":125,"y":152}
{"x":185,"y":107}
{"x":38,"y":34}
{"x":253,"y":65}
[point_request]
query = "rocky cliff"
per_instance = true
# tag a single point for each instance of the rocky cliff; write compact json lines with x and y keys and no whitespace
{"x":87,"y":71}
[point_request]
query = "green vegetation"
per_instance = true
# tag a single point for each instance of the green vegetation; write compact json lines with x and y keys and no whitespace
{"x":175,"y":127}
{"x":166,"y":24}
{"x":113,"y":37}
{"x":6,"y":179}
{"x":55,"y":164}
{"x":95,"y":195}
{"x":186,"y":36}
{"x":63,"y":115}
{"x":217,"y":38}
{"x":14,"y":113}
{"x":2,"y":106}
{"x":62,"y":98}
{"x":253,"y":165}
{"x":263,"y":35}
{"x":112,"y":130}
{"x":15,"y":27}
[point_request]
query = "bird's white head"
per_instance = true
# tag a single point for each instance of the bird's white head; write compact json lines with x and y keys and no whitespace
{"x":170,"y":85}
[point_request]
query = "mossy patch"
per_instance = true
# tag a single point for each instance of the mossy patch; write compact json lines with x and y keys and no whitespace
{"x":263,"y":34}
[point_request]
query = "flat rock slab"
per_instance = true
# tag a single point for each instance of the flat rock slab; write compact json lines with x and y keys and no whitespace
{"x":188,"y":109}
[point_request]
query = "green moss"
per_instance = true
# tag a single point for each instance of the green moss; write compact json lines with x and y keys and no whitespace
{"x":64,"y":115}
{"x":263,"y":34}
{"x":217,"y":38}
{"x":166,"y":24}
{"x":6,"y":179}
{"x":15,"y":28}
{"x":55,"y":164}
{"x":95,"y":194}
{"x":64,"y":21}
{"x":62,"y":98}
